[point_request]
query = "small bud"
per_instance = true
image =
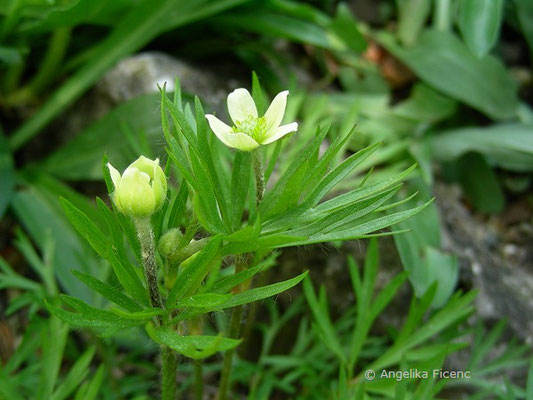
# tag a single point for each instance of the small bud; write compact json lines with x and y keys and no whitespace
{"x":169,"y":241}
{"x":142,"y":188}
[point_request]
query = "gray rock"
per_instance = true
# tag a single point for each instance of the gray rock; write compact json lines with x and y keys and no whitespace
{"x":144,"y":72}
{"x":487,"y":264}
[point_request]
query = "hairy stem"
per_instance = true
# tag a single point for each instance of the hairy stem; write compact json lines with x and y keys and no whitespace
{"x":146,"y":239}
{"x":169,"y":360}
{"x":259,"y":175}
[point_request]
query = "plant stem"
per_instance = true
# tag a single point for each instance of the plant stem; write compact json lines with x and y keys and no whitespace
{"x":252,"y":315}
{"x":168,"y":373}
{"x":240,"y":264}
{"x":198,"y":380}
{"x":169,"y":360}
{"x":234,"y":329}
{"x":233,"y":332}
{"x":146,"y":239}
{"x":259,"y":175}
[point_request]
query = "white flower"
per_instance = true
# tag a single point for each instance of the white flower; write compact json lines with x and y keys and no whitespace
{"x":249,"y":130}
{"x":142,"y":188}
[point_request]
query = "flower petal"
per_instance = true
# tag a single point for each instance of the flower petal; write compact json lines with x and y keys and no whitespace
{"x":144,"y":164}
{"x":115,"y":175}
{"x":134,"y":195}
{"x":275,"y":112}
{"x":240,"y":141}
{"x":226,"y":135}
{"x":218,"y":127}
{"x":241,"y":105}
{"x":159,"y":185}
{"x":280,"y":132}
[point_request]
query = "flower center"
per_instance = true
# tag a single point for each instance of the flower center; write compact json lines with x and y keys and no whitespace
{"x":253,"y":127}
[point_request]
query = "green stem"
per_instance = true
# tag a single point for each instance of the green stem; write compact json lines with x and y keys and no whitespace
{"x":169,"y":360}
{"x":252,"y":315}
{"x":233,"y":332}
{"x":168,"y":373}
{"x":198,"y":380}
{"x":241,"y":262}
{"x":259,"y":175}
{"x":234,"y":329}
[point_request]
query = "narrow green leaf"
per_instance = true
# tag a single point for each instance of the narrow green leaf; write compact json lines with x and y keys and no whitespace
{"x":75,"y":375}
{"x":240,"y":182}
{"x":362,"y":192}
{"x":204,"y":300}
{"x":216,"y":174}
{"x":323,"y":321}
{"x":343,"y":216}
{"x":143,"y":315}
{"x":86,"y":228}
{"x":93,"y":388}
{"x":362,"y":229}
{"x":258,"y":95}
{"x":206,"y":193}
{"x":87,"y":316}
{"x":109,"y":292}
{"x":229,"y":282}
{"x":195,"y":347}
{"x":272,"y":196}
{"x":321,"y":167}
{"x":54,"y":339}
{"x":263,"y":292}
{"x":90,"y":232}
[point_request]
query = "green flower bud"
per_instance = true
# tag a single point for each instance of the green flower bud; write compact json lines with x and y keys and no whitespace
{"x":142,"y":188}
{"x":169,"y":241}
